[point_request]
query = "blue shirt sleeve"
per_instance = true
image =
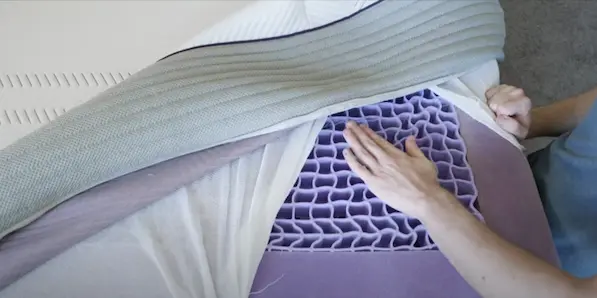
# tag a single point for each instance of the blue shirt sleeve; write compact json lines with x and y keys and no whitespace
{"x":566,"y":176}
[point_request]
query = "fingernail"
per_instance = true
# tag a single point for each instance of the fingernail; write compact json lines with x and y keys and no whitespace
{"x":493,"y":106}
{"x":350,"y":123}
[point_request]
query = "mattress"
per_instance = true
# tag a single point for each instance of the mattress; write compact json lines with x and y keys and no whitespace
{"x":282,"y":272}
{"x":175,"y":253}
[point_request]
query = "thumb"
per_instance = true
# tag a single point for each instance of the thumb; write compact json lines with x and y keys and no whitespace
{"x":512,"y":126}
{"x":411,"y":147}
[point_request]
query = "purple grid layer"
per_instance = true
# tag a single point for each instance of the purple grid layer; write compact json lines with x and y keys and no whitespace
{"x":331,"y":209}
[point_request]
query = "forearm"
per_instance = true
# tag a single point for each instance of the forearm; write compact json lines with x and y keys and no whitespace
{"x":562,"y":116}
{"x":491,"y":265}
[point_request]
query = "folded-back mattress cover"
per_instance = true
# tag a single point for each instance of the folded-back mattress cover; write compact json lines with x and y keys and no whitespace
{"x":205,"y":96}
{"x":227,"y":90}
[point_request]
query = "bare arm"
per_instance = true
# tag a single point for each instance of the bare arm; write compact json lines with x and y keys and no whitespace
{"x":562,"y":116}
{"x":494,"y":267}
{"x":491,"y":265}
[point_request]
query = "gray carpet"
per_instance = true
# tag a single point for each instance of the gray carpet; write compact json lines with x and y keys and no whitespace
{"x":551,"y":47}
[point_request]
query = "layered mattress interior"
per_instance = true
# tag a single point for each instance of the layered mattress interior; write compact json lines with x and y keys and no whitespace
{"x":330,"y":208}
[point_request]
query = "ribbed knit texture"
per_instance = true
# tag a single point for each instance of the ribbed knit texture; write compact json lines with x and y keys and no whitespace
{"x":202,"y":97}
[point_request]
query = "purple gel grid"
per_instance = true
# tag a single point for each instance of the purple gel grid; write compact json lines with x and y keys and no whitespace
{"x":331,"y":209}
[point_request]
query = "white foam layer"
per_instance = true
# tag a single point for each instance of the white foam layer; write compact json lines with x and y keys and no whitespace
{"x":59,"y":54}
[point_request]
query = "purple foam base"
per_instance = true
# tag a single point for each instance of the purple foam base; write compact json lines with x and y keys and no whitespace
{"x":331,"y":209}
{"x":413,"y":274}
{"x":511,"y":207}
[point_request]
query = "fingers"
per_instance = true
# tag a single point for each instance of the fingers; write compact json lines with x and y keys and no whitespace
{"x":383,"y":143}
{"x":411,"y":147}
{"x":355,"y":165}
{"x":508,"y":100}
{"x":492,"y":91}
{"x":512,"y":126}
{"x":362,"y":146}
{"x":497,"y":89}
{"x":512,"y":107}
{"x":369,"y":139}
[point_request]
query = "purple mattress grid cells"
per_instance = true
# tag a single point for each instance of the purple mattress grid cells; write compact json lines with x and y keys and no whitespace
{"x":331,"y":209}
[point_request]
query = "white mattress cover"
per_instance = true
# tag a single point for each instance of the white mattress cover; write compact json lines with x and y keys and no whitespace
{"x":158,"y":252}
{"x":57,"y":54}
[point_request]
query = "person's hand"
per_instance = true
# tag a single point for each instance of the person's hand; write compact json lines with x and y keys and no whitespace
{"x":512,"y":108}
{"x":407,"y":181}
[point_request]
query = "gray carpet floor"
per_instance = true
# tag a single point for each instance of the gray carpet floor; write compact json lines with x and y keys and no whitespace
{"x":551,"y":47}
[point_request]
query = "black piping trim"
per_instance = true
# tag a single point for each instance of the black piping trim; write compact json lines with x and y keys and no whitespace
{"x":276,"y":37}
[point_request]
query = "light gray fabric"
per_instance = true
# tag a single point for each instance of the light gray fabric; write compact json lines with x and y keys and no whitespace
{"x":89,"y":212}
{"x":202,"y":97}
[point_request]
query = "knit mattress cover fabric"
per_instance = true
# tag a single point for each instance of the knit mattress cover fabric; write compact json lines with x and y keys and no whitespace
{"x":209,"y":95}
